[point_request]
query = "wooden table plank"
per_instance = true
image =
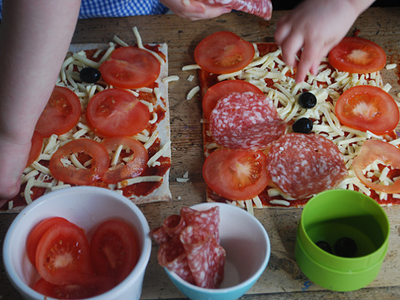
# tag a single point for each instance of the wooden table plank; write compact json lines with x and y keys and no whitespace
{"x":282,"y":278}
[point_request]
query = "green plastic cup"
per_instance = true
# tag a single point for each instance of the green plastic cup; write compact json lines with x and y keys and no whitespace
{"x":331,"y":216}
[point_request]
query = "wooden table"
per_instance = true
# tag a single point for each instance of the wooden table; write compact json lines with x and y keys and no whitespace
{"x":282,"y":278}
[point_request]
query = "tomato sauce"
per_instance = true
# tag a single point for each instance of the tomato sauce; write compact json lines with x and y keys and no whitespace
{"x":146,"y":188}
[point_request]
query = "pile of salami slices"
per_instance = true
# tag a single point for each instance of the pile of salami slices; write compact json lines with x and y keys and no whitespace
{"x":190,"y":247}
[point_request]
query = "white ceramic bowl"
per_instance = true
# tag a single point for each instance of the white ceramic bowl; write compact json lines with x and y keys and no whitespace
{"x":248,"y":250}
{"x":86,"y":207}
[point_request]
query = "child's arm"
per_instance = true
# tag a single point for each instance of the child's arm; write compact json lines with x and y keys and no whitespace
{"x":315,"y":27}
{"x":34,"y":38}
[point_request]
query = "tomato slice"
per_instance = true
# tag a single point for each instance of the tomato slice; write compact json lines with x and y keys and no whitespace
{"x":236,"y":175}
{"x":130,"y":68}
{"x":36,"y":233}
{"x":368,"y":108}
{"x":82,"y":176}
{"x":357,"y":55}
{"x":116,"y":112}
{"x":61,"y":113}
{"x":36,"y":147}
{"x":91,"y":288}
{"x":223,"y":52}
{"x":114,"y":249}
{"x":223,"y":88}
{"x":62,"y":254}
{"x":121,"y":171}
{"x":371,"y":151}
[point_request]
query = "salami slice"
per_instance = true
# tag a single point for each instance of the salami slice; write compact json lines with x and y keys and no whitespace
{"x":245,"y":121}
{"x":261,"y":8}
{"x":159,"y":235}
{"x":207,"y":220}
{"x":174,"y":225}
{"x":206,"y":258}
{"x":302,"y":165}
{"x":172,"y":256}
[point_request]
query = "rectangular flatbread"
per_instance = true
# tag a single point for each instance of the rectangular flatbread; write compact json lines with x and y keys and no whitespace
{"x":150,"y":186}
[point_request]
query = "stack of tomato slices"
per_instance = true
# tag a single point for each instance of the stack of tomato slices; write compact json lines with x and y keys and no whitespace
{"x":242,"y":175}
{"x":71,"y":267}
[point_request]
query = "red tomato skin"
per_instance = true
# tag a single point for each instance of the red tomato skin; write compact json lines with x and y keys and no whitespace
{"x":62,"y":255}
{"x":357,"y":55}
{"x":69,"y":174}
{"x":133,"y":168}
{"x":117,"y":112}
{"x":381,"y":117}
{"x":223,"y":52}
{"x":36,"y":233}
{"x":114,"y":249}
{"x":130,"y":68}
{"x":223,"y":88}
{"x":36,"y":147}
{"x":371,"y":151}
{"x":61,"y":113}
{"x":221,"y":172}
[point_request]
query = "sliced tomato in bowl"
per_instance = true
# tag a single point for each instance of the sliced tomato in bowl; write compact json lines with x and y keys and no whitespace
{"x":357,"y":55}
{"x":114,"y":249}
{"x":138,"y":158}
{"x":61,"y":113}
{"x":386,"y":153}
{"x":62,"y":255}
{"x":368,"y":108}
{"x":236,"y":174}
{"x":130,"y":68}
{"x":36,"y":234}
{"x":223,"y":52}
{"x":87,"y":148}
{"x":223,"y":88}
{"x":117,"y":112}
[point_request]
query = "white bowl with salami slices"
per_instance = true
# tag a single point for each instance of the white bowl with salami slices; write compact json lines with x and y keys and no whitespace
{"x":61,"y":244}
{"x":245,"y":251}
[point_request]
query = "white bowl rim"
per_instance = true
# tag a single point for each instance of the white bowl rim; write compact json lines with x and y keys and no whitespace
{"x":20,"y":285}
{"x":243,"y":284}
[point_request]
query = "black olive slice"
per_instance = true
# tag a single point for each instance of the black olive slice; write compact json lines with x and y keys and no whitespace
{"x":303,"y":125}
{"x":324,"y":246}
{"x":307,"y":100}
{"x":89,"y":75}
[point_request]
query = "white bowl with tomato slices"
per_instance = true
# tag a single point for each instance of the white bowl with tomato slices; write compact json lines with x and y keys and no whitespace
{"x":63,"y":245}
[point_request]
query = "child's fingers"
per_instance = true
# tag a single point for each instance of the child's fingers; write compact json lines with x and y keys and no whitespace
{"x":282,"y":31}
{"x":290,"y":47}
{"x":309,"y":58}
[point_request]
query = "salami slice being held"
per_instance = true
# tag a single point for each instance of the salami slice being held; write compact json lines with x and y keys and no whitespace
{"x":261,"y":8}
{"x":302,"y":165}
{"x":246,"y":121}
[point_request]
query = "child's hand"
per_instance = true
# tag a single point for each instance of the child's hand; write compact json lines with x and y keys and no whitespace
{"x":194,"y":10}
{"x":313,"y":28}
{"x":13,"y":159}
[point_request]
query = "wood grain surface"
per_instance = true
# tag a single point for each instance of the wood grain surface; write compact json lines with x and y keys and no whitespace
{"x":282,"y":278}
